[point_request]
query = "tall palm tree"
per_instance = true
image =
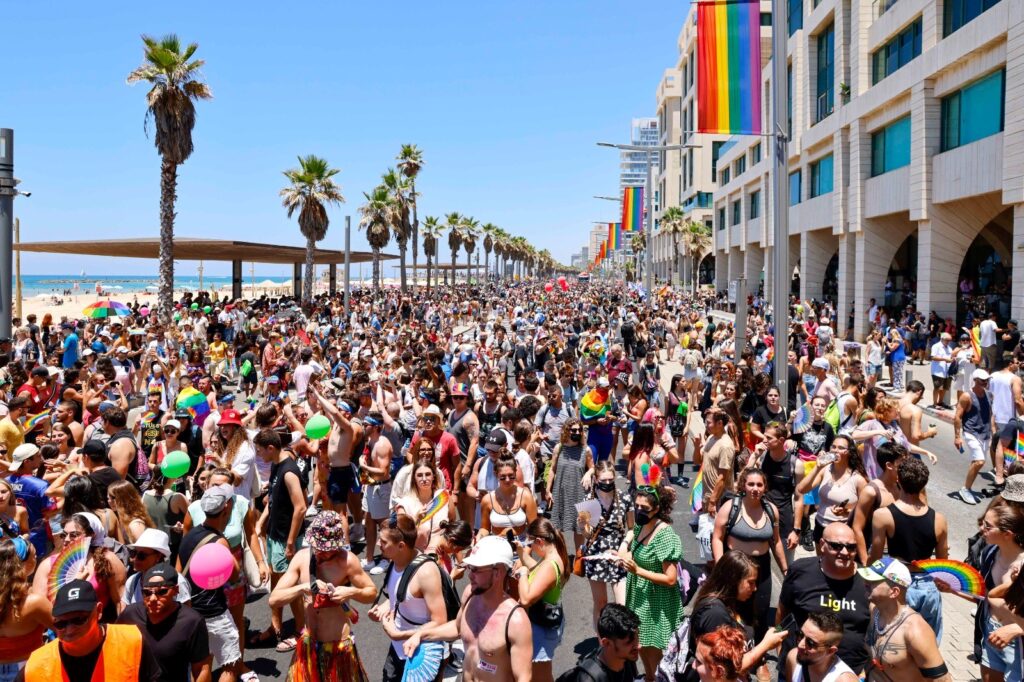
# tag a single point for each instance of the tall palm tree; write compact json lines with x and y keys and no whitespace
{"x":454,"y":221}
{"x":410,"y":162}
{"x":311,"y":189}
{"x":378,"y":217}
{"x":432,"y":232}
{"x":674,"y":224}
{"x":398,"y":187}
{"x":470,"y":233}
{"x":639,"y":244}
{"x":698,"y":245}
{"x":490,"y":234}
{"x":175,"y":84}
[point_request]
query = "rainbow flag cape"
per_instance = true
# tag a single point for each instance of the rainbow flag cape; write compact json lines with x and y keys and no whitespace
{"x":192,"y":400}
{"x":36,"y":420}
{"x":595,"y":403}
{"x":632,"y":209}
{"x":697,"y":493}
{"x":975,"y":334}
{"x":614,"y":236}
{"x":729,"y":67}
{"x":1015,"y":452}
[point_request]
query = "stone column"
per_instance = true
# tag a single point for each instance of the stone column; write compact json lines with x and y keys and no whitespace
{"x":816,"y":249}
{"x":297,"y":280}
{"x":754,"y":265}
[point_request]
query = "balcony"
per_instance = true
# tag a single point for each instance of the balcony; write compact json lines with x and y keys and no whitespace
{"x":698,"y":200}
{"x":880,"y":7}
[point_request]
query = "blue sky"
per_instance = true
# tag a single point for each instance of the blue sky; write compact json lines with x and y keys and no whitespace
{"x":506,"y":99}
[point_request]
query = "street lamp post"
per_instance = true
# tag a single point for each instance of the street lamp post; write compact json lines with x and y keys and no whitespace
{"x":651,"y":152}
{"x":8,"y":190}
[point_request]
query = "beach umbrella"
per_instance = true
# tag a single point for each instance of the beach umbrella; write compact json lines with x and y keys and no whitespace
{"x":104,"y":309}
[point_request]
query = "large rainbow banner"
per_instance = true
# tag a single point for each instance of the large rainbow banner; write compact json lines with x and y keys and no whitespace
{"x":614,"y":236}
{"x":633,"y":209}
{"x":729,"y":67}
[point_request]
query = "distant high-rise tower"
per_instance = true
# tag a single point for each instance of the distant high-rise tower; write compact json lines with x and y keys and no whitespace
{"x":633,"y":165}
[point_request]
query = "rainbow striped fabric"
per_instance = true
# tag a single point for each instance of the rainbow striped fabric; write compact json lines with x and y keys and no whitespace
{"x":729,"y":67}
{"x":633,"y":209}
{"x":614,"y":236}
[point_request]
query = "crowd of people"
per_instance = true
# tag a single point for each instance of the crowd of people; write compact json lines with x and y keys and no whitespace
{"x":474,"y":450}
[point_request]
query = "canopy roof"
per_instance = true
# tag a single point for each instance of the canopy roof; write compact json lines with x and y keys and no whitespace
{"x":437,"y":266}
{"x":192,"y":248}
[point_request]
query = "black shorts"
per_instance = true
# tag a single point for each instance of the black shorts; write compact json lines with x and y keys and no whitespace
{"x":939,"y":383}
{"x":340,"y":482}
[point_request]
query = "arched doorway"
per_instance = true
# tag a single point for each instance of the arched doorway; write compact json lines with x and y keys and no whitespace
{"x":830,"y":285}
{"x":984,"y":282}
{"x":901,"y":280}
{"x":706,"y":270}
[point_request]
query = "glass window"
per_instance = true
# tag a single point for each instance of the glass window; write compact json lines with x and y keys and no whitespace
{"x":890,"y":147}
{"x":736,"y":212}
{"x":821,"y":176}
{"x":721,"y":219}
{"x":716,"y":149}
{"x":974,"y":112}
{"x":725,"y":177}
{"x":896,"y":53}
{"x":795,"y":188}
{"x":755,"y":156}
{"x":789,"y":100}
{"x":795,"y":11}
{"x":755,"y":204}
{"x":826,"y":72}
{"x":766,"y":18}
{"x":740,"y":166}
{"x":956,"y":13}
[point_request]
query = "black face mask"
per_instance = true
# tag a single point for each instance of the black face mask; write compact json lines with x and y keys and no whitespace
{"x":642,"y":516}
{"x":606,"y":486}
{"x":575,"y":437}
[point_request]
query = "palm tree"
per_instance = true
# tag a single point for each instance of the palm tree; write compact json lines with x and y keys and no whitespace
{"x":639,"y":244}
{"x":410,"y":162}
{"x":674,"y":224}
{"x":470,"y":232}
{"x":519,"y":247}
{"x":453,"y":221}
{"x":310,"y":191}
{"x":432,"y":231}
{"x":399,"y":188}
{"x":378,"y":217}
{"x":490,"y":234}
{"x":175,"y":84}
{"x":698,"y":244}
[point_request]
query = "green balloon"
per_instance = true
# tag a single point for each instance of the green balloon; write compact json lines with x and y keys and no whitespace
{"x":207,"y":309}
{"x":175,"y":464}
{"x":194,"y":306}
{"x":318,"y":426}
{"x":177,"y":317}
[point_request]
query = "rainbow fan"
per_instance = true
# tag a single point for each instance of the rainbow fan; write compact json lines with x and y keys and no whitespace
{"x":68,"y":565}
{"x":192,"y":400}
{"x":697,"y":493}
{"x":595,"y":403}
{"x":960,"y":577}
{"x":439,"y":502}
{"x":802,"y":418}
{"x":425,"y":662}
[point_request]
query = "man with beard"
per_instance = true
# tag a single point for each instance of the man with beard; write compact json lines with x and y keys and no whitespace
{"x":493,"y":627}
{"x":816,"y":659}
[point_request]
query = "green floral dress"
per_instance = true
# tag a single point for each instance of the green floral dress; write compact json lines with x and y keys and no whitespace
{"x":659,"y":608}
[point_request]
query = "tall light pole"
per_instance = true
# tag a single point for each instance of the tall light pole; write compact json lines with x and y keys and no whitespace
{"x":650,"y":153}
{"x":780,"y":165}
{"x":8,"y":190}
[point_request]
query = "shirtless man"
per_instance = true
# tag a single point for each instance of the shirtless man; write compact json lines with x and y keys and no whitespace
{"x":879,"y":492}
{"x":911,"y":413}
{"x":326,"y":577}
{"x":375,"y":468}
{"x":494,"y":629}
{"x":902,"y":644}
{"x":464,"y":425}
{"x":65,"y":412}
{"x":341,"y":481}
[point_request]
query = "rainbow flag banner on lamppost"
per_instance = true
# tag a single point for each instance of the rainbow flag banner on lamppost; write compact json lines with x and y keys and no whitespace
{"x":632,"y":209}
{"x":729,"y":67}
{"x":614,"y":236}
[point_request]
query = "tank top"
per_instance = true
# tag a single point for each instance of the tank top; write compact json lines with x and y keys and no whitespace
{"x":1001,"y":388}
{"x":159,"y":509}
{"x":781,"y":485}
{"x":831,"y":493}
{"x":834,"y":673}
{"x":514,"y":519}
{"x":413,"y":608}
{"x":913,"y":537}
{"x":978,"y":419}
{"x":456,"y":428}
{"x":554,"y":593}
{"x":488,"y":420}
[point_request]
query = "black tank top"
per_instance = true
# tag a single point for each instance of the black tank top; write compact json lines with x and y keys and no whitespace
{"x":488,"y":420}
{"x":913,"y":537}
{"x":781,"y":485}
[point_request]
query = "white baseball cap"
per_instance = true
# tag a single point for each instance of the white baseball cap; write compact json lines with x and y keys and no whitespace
{"x":886,"y":568}
{"x":490,"y":550}
{"x":154,"y":539}
{"x":433,"y":411}
{"x":980,"y":375}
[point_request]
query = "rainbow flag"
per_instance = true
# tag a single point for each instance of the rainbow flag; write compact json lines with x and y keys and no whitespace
{"x":36,"y":420}
{"x":595,"y":403}
{"x":975,"y":334}
{"x":632,"y":209}
{"x":614,"y":236}
{"x":697,"y":493}
{"x":1014,"y":454}
{"x":729,"y":67}
{"x":195,"y":402}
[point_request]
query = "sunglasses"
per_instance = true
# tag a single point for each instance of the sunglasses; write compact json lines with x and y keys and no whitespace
{"x":809,"y":643}
{"x":170,"y":430}
{"x":650,"y":490}
{"x":67,"y":622}
{"x":507,"y":477}
{"x":140,"y":554}
{"x":155,"y":591}
{"x":850,"y":547}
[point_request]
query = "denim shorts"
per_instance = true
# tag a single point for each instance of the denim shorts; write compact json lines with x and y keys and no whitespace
{"x":545,"y":641}
{"x":1007,"y":660}
{"x":9,"y":671}
{"x":925,"y":598}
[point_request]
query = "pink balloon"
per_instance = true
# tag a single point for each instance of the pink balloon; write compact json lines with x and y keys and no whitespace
{"x":561,"y":279}
{"x":211,"y":566}
{"x":143,"y":311}
{"x":548,"y":287}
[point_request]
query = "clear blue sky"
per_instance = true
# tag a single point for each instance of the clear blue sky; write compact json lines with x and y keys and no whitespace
{"x":506,"y":99}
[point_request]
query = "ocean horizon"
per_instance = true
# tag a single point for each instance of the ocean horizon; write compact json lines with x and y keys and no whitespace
{"x":34,"y":285}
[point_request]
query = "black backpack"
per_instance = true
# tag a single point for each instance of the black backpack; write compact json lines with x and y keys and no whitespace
{"x":452,"y":600}
{"x":734,"y":512}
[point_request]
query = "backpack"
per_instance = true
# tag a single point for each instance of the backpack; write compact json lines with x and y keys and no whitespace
{"x":452,"y":600}
{"x":141,"y":477}
{"x":834,"y":413}
{"x":689,"y":578}
{"x":589,"y":669}
{"x":734,"y":513}
{"x":677,"y":657}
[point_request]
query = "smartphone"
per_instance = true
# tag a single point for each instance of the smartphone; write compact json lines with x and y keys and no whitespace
{"x":788,"y":623}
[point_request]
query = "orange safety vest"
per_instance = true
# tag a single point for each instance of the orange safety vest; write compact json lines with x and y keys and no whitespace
{"x":119,"y":659}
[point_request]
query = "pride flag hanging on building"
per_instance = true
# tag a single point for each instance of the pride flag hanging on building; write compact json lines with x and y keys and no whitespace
{"x":614,"y":236}
{"x":633,"y":209}
{"x":729,"y":67}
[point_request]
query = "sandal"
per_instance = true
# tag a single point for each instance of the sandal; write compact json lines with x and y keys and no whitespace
{"x":263,"y":638}
{"x":286,"y":644}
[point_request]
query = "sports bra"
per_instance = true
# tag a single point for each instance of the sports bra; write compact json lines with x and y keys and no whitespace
{"x":743,"y":531}
{"x":513,"y":519}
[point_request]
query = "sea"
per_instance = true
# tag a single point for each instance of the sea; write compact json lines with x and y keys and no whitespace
{"x":35,"y":285}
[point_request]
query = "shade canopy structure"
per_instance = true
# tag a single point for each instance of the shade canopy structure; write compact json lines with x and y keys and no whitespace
{"x":195,"y":248}
{"x":438,"y":266}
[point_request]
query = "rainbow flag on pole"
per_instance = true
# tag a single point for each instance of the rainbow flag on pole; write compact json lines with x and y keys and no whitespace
{"x":614,"y":236}
{"x":632,"y":209}
{"x":729,"y":67}
{"x":36,"y":420}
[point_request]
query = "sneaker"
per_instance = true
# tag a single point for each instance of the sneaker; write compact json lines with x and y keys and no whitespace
{"x":807,"y":540}
{"x":368,"y":564}
{"x":967,"y":496}
{"x":379,"y":568}
{"x":356,"y":533}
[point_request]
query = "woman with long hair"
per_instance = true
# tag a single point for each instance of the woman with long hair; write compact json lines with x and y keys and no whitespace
{"x":719,"y":603}
{"x":509,"y":508}
{"x":571,"y":459}
{"x":102,"y":569}
{"x":167,"y":509}
{"x":679,"y":406}
{"x":81,"y":494}
{"x":62,"y":438}
{"x":426,"y":481}
{"x":24,"y":615}
{"x":719,"y":655}
{"x":650,"y":553}
{"x":642,"y":449}
{"x":132,"y":517}
{"x":772,"y":412}
{"x":236,"y":453}
{"x":540,"y":590}
{"x":736,"y":429}
{"x":604,"y":535}
{"x":13,"y":517}
{"x":749,"y":523}
{"x":838,"y":477}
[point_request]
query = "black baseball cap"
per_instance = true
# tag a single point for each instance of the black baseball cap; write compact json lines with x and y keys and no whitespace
{"x":496,"y":440}
{"x":182,"y":414}
{"x":77,"y":595}
{"x":164,"y":571}
{"x":41,"y":372}
{"x":95,"y":449}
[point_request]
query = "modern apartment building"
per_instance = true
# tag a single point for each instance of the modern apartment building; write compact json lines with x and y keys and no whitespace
{"x":906,"y":160}
{"x":598,"y":235}
{"x":633,"y":165}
